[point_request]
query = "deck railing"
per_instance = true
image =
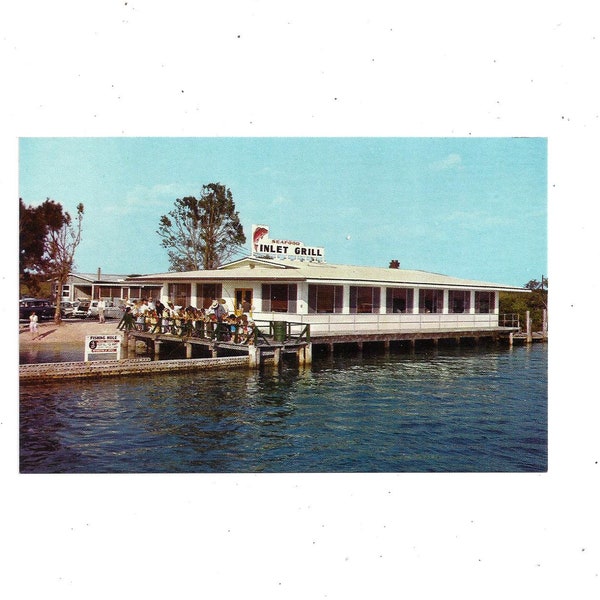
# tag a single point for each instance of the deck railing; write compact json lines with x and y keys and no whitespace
{"x":275,"y":330}
{"x":260,"y":332}
{"x":342,"y":324}
{"x":280,"y":332}
{"x":509,"y":320}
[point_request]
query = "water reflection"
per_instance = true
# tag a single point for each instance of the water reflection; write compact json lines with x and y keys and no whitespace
{"x":457,"y":410}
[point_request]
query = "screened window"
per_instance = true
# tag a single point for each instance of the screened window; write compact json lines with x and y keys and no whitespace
{"x":279,"y":297}
{"x":364,"y":299}
{"x":431,"y":301}
{"x":459,"y":301}
{"x":136,"y":292}
{"x":485,"y":302}
{"x":180,"y":294}
{"x":398,"y":300}
{"x":325,"y":298}
{"x":108,"y":292}
{"x":207,"y":292}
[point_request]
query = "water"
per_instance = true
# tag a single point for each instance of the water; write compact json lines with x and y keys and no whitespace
{"x":457,"y":410}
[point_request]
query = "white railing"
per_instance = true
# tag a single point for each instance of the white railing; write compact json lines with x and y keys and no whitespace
{"x":383,"y":323}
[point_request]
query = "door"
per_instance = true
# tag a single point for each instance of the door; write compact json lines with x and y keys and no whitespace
{"x":243,"y":300}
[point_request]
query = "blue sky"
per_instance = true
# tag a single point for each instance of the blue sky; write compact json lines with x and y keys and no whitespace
{"x":467,"y":207}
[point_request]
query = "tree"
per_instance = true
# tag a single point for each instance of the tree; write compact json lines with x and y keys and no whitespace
{"x":48,"y":239}
{"x":35,"y":225}
{"x":202,"y":233}
{"x":534,"y":284}
{"x":535,"y":302}
{"x":62,"y":241}
{"x":32,"y":234}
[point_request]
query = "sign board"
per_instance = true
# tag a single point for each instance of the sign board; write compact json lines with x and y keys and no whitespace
{"x":262,"y":244}
{"x":102,"y":347}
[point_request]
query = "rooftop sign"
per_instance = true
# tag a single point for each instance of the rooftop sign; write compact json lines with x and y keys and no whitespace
{"x":262,"y":245}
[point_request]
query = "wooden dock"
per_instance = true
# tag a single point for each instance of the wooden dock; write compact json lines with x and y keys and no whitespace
{"x":267,"y":348}
{"x":263,"y":349}
{"x":524,"y":338}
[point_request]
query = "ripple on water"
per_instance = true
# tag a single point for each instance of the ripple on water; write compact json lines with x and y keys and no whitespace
{"x":455,"y":410}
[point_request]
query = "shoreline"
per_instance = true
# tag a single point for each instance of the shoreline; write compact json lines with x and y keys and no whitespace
{"x":68,"y":332}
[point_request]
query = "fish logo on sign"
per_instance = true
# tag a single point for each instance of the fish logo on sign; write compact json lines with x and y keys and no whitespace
{"x":259,"y":232}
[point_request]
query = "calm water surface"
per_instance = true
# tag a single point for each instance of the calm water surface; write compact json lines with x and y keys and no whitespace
{"x":457,"y":409}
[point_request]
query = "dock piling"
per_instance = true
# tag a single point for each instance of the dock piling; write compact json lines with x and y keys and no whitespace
{"x":528,"y":327}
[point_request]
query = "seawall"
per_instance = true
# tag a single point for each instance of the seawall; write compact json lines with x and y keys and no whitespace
{"x":43,"y":372}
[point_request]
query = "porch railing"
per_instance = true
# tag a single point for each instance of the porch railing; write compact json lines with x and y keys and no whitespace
{"x":258,"y":332}
{"x":509,"y":320}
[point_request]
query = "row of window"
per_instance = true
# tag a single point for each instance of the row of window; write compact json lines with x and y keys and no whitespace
{"x":283,"y":297}
{"x":365,"y":299}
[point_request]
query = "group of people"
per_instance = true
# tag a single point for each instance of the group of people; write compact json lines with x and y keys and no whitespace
{"x":215,"y":322}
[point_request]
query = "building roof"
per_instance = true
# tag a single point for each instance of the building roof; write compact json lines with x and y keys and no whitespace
{"x":104,"y":278}
{"x":260,"y":269}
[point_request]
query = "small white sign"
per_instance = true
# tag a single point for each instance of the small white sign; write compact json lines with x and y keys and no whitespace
{"x":101,"y":346}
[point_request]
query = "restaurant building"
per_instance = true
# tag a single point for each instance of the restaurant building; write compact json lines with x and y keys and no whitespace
{"x":93,"y":286}
{"x":283,"y":280}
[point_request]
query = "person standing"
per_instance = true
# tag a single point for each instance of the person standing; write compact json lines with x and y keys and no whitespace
{"x":33,"y":325}
{"x":101,"y":307}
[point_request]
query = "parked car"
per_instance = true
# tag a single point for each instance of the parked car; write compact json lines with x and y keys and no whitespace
{"x":111,"y":310}
{"x":67,"y":308}
{"x":81,"y":310}
{"x":42,"y":308}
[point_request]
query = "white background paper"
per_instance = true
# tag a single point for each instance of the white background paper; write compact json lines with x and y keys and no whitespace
{"x":260,"y":68}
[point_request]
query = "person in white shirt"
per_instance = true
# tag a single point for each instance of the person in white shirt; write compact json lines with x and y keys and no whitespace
{"x":33,"y":325}
{"x":101,"y":307}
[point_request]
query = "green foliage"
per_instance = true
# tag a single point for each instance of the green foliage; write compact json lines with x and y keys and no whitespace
{"x":48,"y":239}
{"x":202,"y":233}
{"x":534,"y":302}
{"x":35,"y":225}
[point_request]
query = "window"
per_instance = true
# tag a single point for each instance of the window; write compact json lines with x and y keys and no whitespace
{"x":364,"y":299}
{"x":325,"y":298}
{"x":485,"y":302}
{"x":206,"y":293}
{"x":431,"y":301}
{"x":279,"y":297}
{"x":108,"y":292}
{"x":180,"y":294}
{"x":459,"y":301}
{"x":136,"y":292}
{"x":399,"y":300}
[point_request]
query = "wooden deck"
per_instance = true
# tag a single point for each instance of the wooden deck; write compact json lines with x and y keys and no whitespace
{"x":227,"y":354}
{"x":537,"y":336}
{"x":413,"y":335}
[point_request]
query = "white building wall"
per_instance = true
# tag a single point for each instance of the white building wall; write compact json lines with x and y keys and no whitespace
{"x":164,"y":294}
{"x":345,"y":322}
{"x":415,"y":308}
{"x":302,"y":301}
{"x":346,"y":300}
